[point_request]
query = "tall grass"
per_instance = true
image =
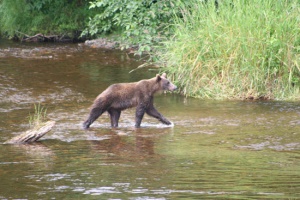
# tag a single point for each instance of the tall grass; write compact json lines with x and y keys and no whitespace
{"x":240,"y":49}
{"x":38,"y":117}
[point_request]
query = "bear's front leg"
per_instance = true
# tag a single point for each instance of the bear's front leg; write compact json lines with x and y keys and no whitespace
{"x":94,"y":114}
{"x":154,"y":113}
{"x":139,"y":114}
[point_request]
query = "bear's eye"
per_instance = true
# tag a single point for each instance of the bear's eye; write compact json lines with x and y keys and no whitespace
{"x":168,"y":83}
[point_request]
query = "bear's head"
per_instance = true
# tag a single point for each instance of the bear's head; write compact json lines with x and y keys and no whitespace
{"x":164,"y":83}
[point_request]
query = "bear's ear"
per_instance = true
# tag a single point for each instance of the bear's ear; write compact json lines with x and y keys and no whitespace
{"x":158,"y":78}
{"x":164,"y":75}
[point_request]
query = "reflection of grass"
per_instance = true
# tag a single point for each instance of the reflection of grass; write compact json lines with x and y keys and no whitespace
{"x":38,"y":117}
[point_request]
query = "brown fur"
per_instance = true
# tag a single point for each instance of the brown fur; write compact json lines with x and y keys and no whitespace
{"x":121,"y":96}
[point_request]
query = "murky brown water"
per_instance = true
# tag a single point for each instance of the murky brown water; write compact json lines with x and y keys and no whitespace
{"x":216,"y":149}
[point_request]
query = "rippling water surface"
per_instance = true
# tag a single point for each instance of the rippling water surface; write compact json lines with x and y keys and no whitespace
{"x":215,"y":150}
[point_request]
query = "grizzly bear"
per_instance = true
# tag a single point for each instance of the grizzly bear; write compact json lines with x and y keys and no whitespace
{"x":121,"y":96}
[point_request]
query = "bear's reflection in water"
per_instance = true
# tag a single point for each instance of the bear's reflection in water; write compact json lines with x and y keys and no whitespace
{"x":136,"y":144}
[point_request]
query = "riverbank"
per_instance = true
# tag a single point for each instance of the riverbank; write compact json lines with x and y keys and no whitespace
{"x":53,"y":50}
{"x":102,"y":43}
{"x":245,"y":50}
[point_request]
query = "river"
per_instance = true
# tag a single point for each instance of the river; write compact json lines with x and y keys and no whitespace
{"x":215,"y":150}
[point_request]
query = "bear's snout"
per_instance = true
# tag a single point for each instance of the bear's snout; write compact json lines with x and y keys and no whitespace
{"x":172,"y":87}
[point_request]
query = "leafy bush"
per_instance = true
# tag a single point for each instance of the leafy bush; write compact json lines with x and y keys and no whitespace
{"x":241,"y":49}
{"x":139,"y":22}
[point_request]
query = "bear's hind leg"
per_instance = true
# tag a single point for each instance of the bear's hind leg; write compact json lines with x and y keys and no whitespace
{"x":139,"y":114}
{"x":114,"y":117}
{"x":94,"y":114}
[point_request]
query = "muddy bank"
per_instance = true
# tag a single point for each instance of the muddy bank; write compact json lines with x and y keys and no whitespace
{"x":41,"y":52}
{"x":105,"y":43}
{"x":102,"y":43}
{"x":53,"y":50}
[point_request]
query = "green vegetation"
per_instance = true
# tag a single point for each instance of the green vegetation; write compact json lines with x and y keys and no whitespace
{"x":242,"y":49}
{"x":141,"y":23}
{"x":230,"y":50}
{"x":38,"y":117}
{"x":62,"y":17}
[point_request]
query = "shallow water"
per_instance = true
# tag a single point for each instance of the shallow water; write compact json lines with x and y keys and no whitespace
{"x":215,"y":150}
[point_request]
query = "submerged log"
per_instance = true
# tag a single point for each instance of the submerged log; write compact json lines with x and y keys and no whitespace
{"x":32,"y":135}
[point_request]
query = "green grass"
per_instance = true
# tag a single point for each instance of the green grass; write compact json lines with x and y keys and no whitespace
{"x":38,"y":117}
{"x":243,"y":49}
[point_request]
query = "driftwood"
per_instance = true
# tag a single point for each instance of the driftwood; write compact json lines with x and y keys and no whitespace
{"x":40,"y":38}
{"x":43,"y":38}
{"x":33,"y":134}
{"x":145,"y":65}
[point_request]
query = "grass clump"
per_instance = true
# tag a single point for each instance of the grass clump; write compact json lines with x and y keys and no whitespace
{"x":236,"y":50}
{"x":38,"y":118}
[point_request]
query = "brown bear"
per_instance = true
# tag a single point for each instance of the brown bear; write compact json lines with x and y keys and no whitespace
{"x":121,"y":96}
